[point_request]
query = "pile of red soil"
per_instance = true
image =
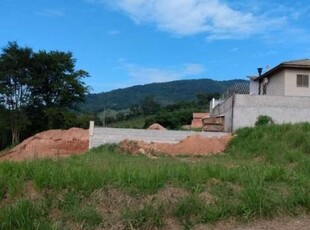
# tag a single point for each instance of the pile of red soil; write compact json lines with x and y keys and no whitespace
{"x":51,"y":143}
{"x":192,"y":145}
{"x":156,"y":126}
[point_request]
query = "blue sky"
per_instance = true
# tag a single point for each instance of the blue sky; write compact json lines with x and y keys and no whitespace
{"x":127,"y":42}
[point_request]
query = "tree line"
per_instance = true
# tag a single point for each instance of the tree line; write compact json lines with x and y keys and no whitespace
{"x":37,"y":91}
{"x":172,"y":116}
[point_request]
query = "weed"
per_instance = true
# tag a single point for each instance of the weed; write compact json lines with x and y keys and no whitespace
{"x":188,"y":210}
{"x":87,"y":216}
{"x":149,"y":216}
{"x":23,"y":215}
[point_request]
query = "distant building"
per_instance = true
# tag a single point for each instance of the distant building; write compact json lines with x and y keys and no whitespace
{"x":287,"y":79}
{"x":283,"y":93}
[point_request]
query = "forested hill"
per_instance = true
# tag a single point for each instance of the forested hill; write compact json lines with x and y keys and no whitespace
{"x":164,"y":93}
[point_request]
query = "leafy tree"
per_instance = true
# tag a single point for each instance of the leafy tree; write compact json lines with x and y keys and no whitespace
{"x":203,"y":99}
{"x":134,"y":110}
{"x":15,"y":78}
{"x":180,"y":106}
{"x":149,"y":105}
{"x":37,"y":89}
{"x":171,"y":120}
{"x":4,"y":128}
{"x":57,"y":85}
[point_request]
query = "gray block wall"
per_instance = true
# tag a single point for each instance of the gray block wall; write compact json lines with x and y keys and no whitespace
{"x":225,"y":109}
{"x":282,"y":109}
{"x":241,"y":110}
{"x":100,"y":135}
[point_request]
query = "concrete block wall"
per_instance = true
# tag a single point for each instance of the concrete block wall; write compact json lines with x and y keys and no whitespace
{"x":224,"y":109}
{"x":282,"y":109}
{"x":242,"y":110}
{"x":101,"y":135}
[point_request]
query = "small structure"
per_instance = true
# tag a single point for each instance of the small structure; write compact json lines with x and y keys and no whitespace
{"x":197,"y":120}
{"x":283,"y":93}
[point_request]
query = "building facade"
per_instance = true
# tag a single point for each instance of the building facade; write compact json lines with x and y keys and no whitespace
{"x":283,"y":93}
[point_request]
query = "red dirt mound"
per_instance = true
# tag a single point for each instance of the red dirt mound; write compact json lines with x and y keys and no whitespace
{"x":156,"y":126}
{"x":50,"y":143}
{"x":192,"y":145}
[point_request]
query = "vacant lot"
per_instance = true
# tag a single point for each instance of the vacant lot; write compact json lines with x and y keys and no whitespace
{"x":264,"y":174}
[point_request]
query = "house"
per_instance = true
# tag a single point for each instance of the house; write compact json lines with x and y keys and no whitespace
{"x":286,"y":79}
{"x":283,"y":93}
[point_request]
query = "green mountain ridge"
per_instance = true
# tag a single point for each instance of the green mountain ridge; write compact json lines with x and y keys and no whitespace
{"x":164,"y":93}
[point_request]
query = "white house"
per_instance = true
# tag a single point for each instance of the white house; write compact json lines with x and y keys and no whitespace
{"x":286,"y":79}
{"x":283,"y":93}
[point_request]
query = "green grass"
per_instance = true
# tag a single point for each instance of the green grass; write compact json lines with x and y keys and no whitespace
{"x":264,"y":173}
{"x":149,"y":216}
{"x":24,"y":214}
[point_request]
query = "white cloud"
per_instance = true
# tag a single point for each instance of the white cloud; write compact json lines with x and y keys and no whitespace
{"x":187,"y":17}
{"x":144,"y":75}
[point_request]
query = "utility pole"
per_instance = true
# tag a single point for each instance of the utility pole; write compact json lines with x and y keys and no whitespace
{"x":104,"y":114}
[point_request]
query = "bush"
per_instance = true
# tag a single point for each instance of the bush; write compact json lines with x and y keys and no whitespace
{"x":263,"y":120}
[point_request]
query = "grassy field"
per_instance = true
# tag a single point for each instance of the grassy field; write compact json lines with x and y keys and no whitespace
{"x":264,"y":173}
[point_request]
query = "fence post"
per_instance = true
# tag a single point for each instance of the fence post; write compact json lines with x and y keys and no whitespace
{"x":91,"y":133}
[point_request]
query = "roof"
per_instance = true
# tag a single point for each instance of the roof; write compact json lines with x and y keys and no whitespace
{"x":298,"y":62}
{"x":252,"y":77}
{"x":295,"y":64}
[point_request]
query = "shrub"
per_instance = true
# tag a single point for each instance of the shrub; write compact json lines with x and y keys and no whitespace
{"x":263,"y":120}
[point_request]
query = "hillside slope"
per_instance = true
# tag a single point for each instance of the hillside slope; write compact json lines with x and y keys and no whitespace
{"x":164,"y":93}
{"x":261,"y":181}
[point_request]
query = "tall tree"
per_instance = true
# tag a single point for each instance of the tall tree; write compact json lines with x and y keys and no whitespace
{"x":56,"y":84}
{"x":42,"y":85}
{"x":15,"y":93}
{"x":203,"y":99}
{"x":4,"y":128}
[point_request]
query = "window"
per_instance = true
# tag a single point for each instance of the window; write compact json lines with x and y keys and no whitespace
{"x":302,"y":80}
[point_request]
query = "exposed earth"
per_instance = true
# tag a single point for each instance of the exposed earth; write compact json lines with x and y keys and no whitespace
{"x":51,"y":143}
{"x":60,"y":143}
{"x":191,"y":145}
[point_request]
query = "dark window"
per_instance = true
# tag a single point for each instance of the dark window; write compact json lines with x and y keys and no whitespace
{"x":302,"y":80}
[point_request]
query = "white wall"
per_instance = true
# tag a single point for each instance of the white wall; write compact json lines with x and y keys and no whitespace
{"x":291,"y":88}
